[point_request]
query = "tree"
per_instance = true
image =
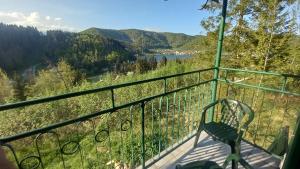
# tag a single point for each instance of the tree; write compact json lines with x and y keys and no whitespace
{"x":7,"y":90}
{"x":152,"y":62}
{"x":274,"y":28}
{"x":141,"y":65}
{"x":163,"y":61}
{"x":53,"y":81}
{"x":257,"y":33}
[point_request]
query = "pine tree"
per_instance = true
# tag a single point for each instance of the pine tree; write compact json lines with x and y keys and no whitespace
{"x":273,"y":30}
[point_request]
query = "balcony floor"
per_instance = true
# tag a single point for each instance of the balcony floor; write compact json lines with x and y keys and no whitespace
{"x":208,"y":149}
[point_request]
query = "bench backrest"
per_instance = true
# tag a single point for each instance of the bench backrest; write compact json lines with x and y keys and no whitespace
{"x":236,"y":114}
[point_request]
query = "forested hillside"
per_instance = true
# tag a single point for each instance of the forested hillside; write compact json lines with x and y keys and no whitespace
{"x":149,"y":39}
{"x":24,"y":47}
{"x":200,"y":42}
{"x":20,"y":47}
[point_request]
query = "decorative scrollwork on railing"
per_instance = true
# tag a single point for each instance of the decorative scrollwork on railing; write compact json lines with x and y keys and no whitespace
{"x":30,"y":162}
{"x":70,"y":148}
{"x":102,"y":135}
{"x":125,"y":125}
{"x":38,"y":148}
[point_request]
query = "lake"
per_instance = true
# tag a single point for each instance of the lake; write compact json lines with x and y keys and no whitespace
{"x":171,"y":56}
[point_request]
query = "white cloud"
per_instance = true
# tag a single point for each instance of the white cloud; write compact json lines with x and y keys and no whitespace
{"x":57,"y":19}
{"x":35,"y":19}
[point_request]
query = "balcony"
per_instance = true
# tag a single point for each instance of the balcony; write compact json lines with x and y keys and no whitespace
{"x":152,"y":128}
{"x":208,"y":149}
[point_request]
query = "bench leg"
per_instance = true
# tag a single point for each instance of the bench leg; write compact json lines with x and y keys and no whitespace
{"x":234,"y":150}
{"x":197,"y":136}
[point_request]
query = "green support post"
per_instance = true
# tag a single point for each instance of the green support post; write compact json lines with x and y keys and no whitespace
{"x":218,"y":59}
{"x":143,"y":134}
{"x":292,"y":157}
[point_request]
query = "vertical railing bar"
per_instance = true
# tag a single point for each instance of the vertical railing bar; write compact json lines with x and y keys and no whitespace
{"x":190,"y":110}
{"x":109,"y":139}
{"x":173,"y":114}
{"x":194,"y":109}
{"x":143,"y":133}
{"x":252,"y":101}
{"x":184,"y":113}
{"x":94,"y":140}
{"x":179,"y":118}
{"x":38,"y":151}
{"x":285,"y":111}
{"x":80,"y":151}
{"x":165,"y":85}
{"x":131,"y":135}
{"x":61,"y":155}
{"x":226,"y":73}
{"x":259,"y":116}
{"x":283,"y":85}
{"x":218,"y":97}
{"x":167,"y":123}
{"x":112,"y":98}
{"x":269,"y":123}
{"x":121,"y":136}
{"x":160,"y":126}
{"x":199,"y":107}
{"x":243,"y":97}
{"x":152,"y":129}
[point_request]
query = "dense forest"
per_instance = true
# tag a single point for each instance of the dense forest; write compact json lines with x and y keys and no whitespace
{"x":149,"y":40}
{"x":24,"y":47}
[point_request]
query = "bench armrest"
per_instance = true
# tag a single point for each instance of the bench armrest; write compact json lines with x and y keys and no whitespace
{"x":203,"y":113}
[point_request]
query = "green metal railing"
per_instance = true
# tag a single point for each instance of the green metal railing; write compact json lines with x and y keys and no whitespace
{"x":127,"y":133}
{"x":133,"y":132}
{"x":274,"y":97}
{"x":162,"y":115}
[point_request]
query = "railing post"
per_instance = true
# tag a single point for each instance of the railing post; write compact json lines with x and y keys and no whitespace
{"x":112,"y":98}
{"x":283,"y":85}
{"x":292,"y":157}
{"x":143,"y":133}
{"x":218,"y":59}
{"x":165,"y":85}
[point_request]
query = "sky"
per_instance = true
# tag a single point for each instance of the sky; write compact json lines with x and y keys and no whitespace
{"x":180,"y":16}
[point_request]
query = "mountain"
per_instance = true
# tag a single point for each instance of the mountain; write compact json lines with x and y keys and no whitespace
{"x":148,"y":39}
{"x":198,"y":43}
{"x":24,"y":47}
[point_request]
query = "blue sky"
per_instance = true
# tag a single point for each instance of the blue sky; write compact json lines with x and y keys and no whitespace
{"x":76,"y":15}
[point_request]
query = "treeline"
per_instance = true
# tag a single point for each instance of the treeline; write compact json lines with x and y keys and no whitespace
{"x":24,"y":47}
{"x":143,"y":39}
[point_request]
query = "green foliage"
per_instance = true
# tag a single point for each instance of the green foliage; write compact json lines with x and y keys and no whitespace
{"x":199,"y":43}
{"x":7,"y":90}
{"x":257,"y":34}
{"x":53,"y":81}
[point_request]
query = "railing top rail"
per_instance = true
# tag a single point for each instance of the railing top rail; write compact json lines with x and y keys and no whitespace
{"x":85,"y":92}
{"x":260,"y":72}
